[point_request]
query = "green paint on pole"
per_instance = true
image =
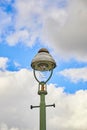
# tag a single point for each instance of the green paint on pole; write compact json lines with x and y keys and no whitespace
{"x":42,"y":112}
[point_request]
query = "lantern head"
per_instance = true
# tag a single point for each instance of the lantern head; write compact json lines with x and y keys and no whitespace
{"x":43,"y":61}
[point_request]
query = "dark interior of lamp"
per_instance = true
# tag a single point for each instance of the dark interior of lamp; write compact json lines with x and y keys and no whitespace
{"x":43,"y":66}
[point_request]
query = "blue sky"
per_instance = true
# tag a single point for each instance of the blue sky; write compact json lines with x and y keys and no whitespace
{"x":25,"y":27}
{"x":22,"y":55}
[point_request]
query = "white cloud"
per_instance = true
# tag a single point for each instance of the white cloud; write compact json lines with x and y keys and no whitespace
{"x":29,"y":18}
{"x":21,"y":36}
{"x":27,"y":22}
{"x":69,"y":112}
{"x":3,"y":126}
{"x":75,"y":74}
{"x":3,"y":63}
{"x":63,"y":29}
{"x":18,"y":90}
{"x":69,"y":40}
{"x":5,"y":20}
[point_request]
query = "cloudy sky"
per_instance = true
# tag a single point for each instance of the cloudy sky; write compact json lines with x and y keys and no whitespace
{"x":61,"y":27}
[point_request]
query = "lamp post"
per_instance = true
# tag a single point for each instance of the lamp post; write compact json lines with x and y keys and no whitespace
{"x":43,"y":62}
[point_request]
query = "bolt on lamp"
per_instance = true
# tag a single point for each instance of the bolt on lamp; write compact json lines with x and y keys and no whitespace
{"x":42,"y":63}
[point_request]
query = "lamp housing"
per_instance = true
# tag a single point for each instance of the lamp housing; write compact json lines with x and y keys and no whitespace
{"x":43,"y":61}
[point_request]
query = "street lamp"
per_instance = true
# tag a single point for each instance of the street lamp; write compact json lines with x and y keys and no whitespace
{"x":43,"y":63}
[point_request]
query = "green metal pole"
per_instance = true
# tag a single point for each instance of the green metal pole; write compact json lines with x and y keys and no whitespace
{"x":42,"y":112}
